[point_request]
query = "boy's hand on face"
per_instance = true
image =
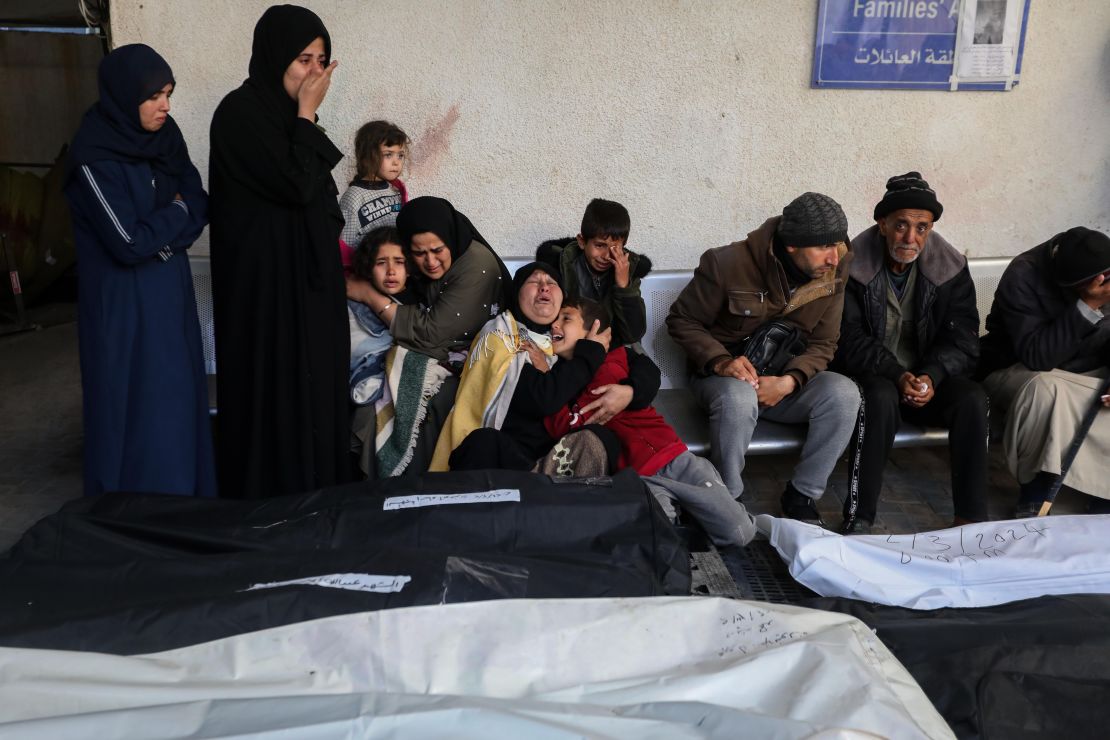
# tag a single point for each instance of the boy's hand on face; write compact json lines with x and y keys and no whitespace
{"x":774,"y":388}
{"x":601,"y":337}
{"x":619,"y":259}
{"x":536,"y":355}
{"x":610,"y":401}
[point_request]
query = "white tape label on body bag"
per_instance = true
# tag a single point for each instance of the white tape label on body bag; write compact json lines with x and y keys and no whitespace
{"x":438,"y":499}
{"x":347,"y":581}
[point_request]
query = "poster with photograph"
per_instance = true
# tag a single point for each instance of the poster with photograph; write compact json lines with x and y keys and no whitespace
{"x":919,"y":44}
{"x":987,"y":41}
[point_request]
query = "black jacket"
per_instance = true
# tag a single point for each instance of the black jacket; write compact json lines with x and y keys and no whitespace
{"x":1039,"y":324}
{"x":625,"y":305}
{"x":944,"y":302}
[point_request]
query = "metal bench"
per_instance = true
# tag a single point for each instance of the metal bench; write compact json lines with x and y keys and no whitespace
{"x":677,"y":404}
{"x":674,"y":401}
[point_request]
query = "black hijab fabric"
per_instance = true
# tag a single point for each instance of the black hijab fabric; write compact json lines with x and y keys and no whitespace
{"x":438,"y":216}
{"x":111,"y":129}
{"x":519,"y":279}
{"x":280,"y":35}
{"x":282,"y":338}
{"x":268,"y":115}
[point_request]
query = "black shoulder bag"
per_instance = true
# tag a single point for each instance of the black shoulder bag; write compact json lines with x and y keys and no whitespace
{"x":771,"y":346}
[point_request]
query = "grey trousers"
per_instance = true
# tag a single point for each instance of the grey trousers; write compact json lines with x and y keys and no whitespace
{"x":829,"y":403}
{"x":696,"y":485}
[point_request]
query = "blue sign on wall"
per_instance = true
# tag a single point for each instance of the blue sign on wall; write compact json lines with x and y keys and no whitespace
{"x":909,"y":44}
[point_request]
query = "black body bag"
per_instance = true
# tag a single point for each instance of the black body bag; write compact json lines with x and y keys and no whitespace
{"x":771,"y":346}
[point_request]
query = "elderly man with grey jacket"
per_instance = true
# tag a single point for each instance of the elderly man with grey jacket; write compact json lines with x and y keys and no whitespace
{"x":910,"y":338}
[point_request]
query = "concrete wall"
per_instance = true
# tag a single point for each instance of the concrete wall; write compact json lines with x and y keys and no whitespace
{"x":698,"y":116}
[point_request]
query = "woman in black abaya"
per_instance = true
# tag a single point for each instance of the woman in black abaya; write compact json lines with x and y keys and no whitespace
{"x":282,"y":341}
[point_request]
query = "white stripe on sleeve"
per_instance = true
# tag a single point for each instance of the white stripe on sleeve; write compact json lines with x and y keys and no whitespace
{"x":104,"y":203}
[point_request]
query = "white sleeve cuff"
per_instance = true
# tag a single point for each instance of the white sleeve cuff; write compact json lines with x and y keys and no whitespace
{"x":1091,"y":314}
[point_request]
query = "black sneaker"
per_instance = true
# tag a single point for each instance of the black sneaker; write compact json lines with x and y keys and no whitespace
{"x":855,"y":526}
{"x":1027,"y":510}
{"x":796,"y":505}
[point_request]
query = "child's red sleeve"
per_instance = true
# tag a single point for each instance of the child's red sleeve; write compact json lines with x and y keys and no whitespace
{"x":558,"y":424}
{"x":613,"y":370}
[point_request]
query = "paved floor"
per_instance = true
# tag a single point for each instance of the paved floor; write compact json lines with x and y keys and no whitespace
{"x":40,"y":449}
{"x":40,"y":426}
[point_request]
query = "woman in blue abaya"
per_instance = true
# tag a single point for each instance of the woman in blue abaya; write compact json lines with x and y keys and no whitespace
{"x":137,"y":205}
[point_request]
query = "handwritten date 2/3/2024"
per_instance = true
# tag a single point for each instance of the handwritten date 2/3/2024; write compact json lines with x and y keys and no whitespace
{"x":952,"y":546}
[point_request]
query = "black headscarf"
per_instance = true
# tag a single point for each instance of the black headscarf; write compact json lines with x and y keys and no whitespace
{"x":111,"y":129}
{"x":438,"y":216}
{"x":426,"y":213}
{"x":280,"y":35}
{"x":522,"y":275}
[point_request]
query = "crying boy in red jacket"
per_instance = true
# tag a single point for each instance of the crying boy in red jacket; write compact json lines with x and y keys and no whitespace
{"x":648,"y":443}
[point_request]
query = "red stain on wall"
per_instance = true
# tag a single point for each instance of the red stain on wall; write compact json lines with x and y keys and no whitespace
{"x":429,"y":147}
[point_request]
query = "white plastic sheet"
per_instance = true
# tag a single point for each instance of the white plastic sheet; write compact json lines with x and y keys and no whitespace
{"x":974,"y":565}
{"x":643,"y":668}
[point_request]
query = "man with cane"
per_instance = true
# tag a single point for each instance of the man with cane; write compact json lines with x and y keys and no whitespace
{"x":1045,"y":362}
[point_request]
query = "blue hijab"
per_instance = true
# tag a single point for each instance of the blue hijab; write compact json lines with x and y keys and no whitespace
{"x":111,"y":129}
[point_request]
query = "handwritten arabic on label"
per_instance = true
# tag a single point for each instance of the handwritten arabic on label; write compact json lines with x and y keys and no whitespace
{"x":751,"y":629}
{"x":439,"y":499}
{"x":347,"y":581}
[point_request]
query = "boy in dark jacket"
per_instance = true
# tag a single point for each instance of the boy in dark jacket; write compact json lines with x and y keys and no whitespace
{"x":597,"y":266}
{"x":647,"y":443}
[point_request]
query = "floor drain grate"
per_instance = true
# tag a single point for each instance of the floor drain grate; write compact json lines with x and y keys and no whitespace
{"x":710,"y":576}
{"x":760,"y":574}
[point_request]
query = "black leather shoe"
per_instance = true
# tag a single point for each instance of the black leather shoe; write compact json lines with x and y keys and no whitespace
{"x":855,"y":526}
{"x":798,"y":506}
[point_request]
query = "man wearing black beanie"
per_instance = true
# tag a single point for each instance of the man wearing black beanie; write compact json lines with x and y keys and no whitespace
{"x":790,"y":270}
{"x":1047,"y":347}
{"x":910,"y":338}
